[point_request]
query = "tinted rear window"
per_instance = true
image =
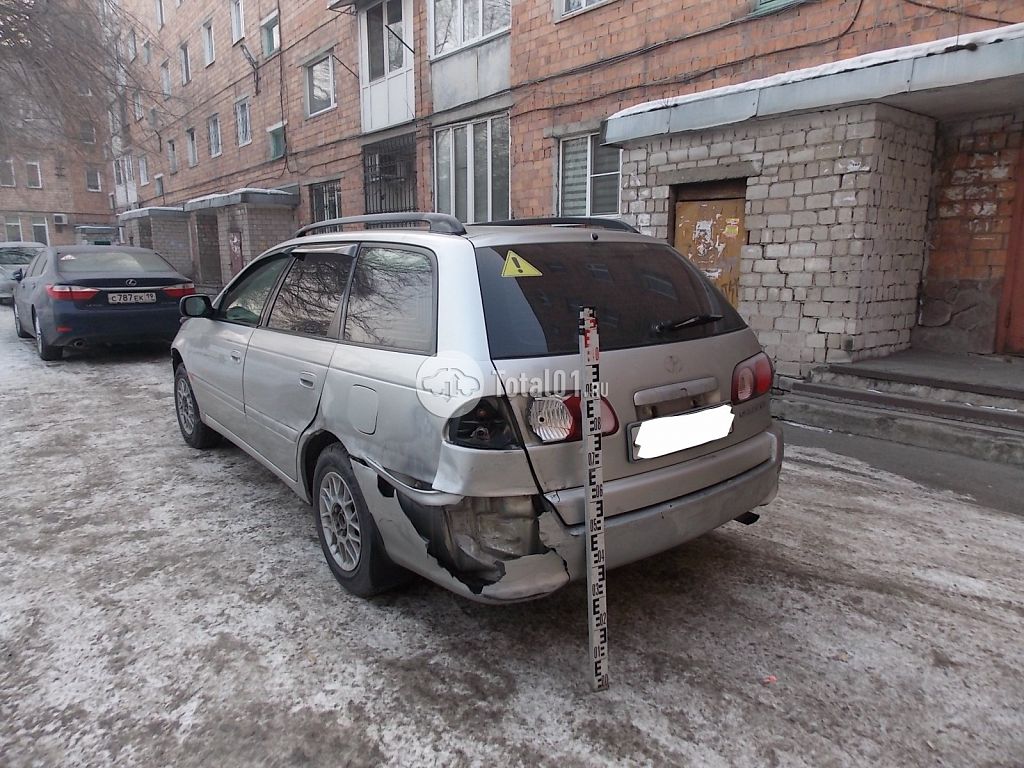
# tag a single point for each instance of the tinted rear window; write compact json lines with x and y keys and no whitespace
{"x":18,"y":255}
{"x":634,"y":286}
{"x":129,"y":262}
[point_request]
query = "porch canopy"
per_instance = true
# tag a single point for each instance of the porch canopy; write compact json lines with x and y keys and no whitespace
{"x":976,"y":73}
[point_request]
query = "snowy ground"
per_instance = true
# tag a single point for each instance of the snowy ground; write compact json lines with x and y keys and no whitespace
{"x":164,"y":606}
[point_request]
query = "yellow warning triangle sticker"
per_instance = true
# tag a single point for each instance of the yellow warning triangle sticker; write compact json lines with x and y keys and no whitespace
{"x":517,"y":266}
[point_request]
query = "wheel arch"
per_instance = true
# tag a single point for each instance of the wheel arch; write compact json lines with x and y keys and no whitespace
{"x":311,"y":450}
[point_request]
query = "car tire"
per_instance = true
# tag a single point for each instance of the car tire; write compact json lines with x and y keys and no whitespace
{"x":18,"y":327}
{"x":46,"y":352}
{"x":348,"y":535}
{"x":195,"y":433}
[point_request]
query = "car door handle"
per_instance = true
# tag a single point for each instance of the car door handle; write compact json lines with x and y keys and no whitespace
{"x":236,"y":355}
{"x":307,"y":380}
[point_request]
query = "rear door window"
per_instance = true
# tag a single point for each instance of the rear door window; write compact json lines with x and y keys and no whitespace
{"x":311,"y":293}
{"x":635,"y":287}
{"x":392,"y":300}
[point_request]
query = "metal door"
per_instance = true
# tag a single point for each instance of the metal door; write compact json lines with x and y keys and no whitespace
{"x":710,"y":233}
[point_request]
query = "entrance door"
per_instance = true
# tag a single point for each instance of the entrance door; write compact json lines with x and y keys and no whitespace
{"x":1010,"y":327}
{"x":709,"y":231}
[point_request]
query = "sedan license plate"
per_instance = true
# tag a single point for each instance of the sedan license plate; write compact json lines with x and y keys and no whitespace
{"x":669,"y":434}
{"x":131,"y":298}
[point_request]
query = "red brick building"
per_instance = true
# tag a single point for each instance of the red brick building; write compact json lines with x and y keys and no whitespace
{"x":257,"y":119}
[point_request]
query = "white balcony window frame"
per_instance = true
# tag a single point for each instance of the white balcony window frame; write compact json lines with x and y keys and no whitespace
{"x":395,"y":86}
{"x":462,"y":40}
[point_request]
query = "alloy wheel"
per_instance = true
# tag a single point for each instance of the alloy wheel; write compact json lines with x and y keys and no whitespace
{"x":183,"y":400}
{"x":340,"y":521}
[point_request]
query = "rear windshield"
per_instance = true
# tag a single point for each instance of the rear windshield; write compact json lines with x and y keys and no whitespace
{"x":18,"y":255}
{"x":112,"y":261}
{"x":634,"y":286}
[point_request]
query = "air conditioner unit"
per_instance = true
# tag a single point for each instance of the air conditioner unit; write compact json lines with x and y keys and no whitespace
{"x":60,"y":219}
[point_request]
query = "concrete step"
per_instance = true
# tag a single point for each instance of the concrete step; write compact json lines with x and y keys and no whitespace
{"x":929,"y":389}
{"x":933,"y":405}
{"x":981,"y":441}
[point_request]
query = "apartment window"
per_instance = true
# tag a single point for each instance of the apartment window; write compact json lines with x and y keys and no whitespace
{"x":7,"y":173}
{"x":325,"y":200}
{"x":588,"y":177}
{"x":35,"y":177}
{"x":118,"y":176}
{"x":243,"y":126}
{"x":40,"y":231}
{"x":147,"y":52}
{"x":237,"y":20}
{"x":275,"y":135}
{"x":319,"y":86}
{"x":191,"y":147}
{"x":93,"y":182}
{"x":389,"y":175}
{"x":209,"y":50}
{"x":129,"y":169}
{"x":471,"y":170}
{"x":160,"y":13}
{"x":158,"y":182}
{"x":270,"y":33}
{"x":165,"y":78}
{"x":385,"y":33}
{"x":213,"y":131}
{"x":172,"y":156}
{"x":12,"y":224}
{"x":186,"y":67}
{"x":153,"y":121}
{"x":133,"y":49}
{"x":569,"y":6}
{"x":137,"y":105}
{"x":87,"y":132}
{"x":460,"y":22}
{"x":143,"y":170}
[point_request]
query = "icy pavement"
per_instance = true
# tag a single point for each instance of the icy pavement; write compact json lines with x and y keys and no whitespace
{"x":159,"y":606}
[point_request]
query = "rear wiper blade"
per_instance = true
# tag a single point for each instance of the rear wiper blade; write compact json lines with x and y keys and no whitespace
{"x":689,"y":322}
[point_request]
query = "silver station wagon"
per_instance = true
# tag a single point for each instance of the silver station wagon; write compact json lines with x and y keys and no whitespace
{"x":419,"y":387}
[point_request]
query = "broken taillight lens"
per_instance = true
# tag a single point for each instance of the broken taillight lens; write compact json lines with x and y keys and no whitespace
{"x":752,"y":378}
{"x":488,"y":425}
{"x":558,"y":418}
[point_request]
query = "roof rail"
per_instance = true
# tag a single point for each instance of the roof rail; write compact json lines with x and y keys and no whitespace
{"x":440,"y":223}
{"x":565,"y":221}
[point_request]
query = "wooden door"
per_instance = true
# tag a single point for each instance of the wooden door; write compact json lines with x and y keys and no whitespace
{"x":710,"y":233}
{"x":1010,"y":324}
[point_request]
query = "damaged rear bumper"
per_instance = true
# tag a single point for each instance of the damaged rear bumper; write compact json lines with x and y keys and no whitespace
{"x":560,"y":555}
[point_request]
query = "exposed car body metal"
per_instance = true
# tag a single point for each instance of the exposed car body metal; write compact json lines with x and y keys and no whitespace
{"x":409,"y":474}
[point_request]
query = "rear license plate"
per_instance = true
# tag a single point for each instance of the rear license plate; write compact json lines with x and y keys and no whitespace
{"x":131,"y":298}
{"x":669,"y":434}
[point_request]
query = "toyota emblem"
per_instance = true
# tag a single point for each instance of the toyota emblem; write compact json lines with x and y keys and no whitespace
{"x":131,"y":281}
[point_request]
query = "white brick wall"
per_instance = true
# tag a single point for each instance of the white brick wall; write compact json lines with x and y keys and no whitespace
{"x":835,"y":215}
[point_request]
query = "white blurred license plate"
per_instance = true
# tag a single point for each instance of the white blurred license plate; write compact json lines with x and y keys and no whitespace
{"x":131,"y":298}
{"x":669,"y":434}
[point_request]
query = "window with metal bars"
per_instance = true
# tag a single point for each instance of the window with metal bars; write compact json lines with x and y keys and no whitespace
{"x":325,"y":201}
{"x":389,"y":175}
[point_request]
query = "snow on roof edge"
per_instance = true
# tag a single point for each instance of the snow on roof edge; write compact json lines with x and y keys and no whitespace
{"x":864,"y":61}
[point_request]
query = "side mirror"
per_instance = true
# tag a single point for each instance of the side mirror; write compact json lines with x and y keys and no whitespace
{"x":18,"y":275}
{"x":196,"y":305}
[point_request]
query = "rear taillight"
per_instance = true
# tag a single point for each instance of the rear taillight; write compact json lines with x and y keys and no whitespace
{"x":179,"y":290}
{"x":70,"y":292}
{"x":559,"y":419}
{"x":752,"y":378}
{"x":487,"y":425}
